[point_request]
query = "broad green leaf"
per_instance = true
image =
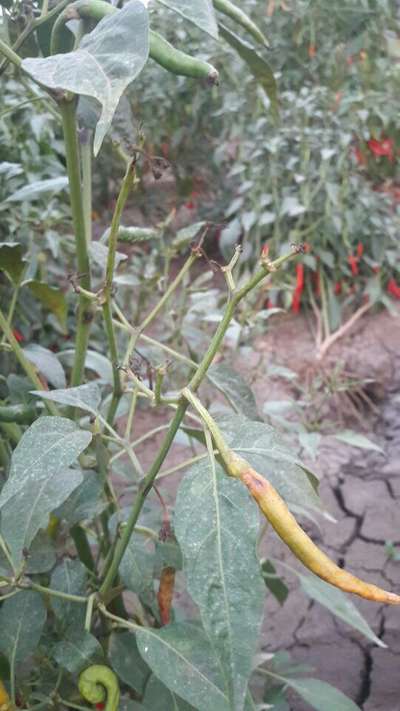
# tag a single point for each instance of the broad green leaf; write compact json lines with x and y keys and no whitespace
{"x":263,"y":448}
{"x":216,"y":524}
{"x":70,"y":577}
{"x":77,"y":651}
{"x":339,"y":604}
{"x":40,"y":479}
{"x":159,"y":698}
{"x":106,"y":62}
{"x":322,"y":696}
{"x":85,"y":502}
{"x":235,"y":389}
{"x":42,"y":554}
{"x":51,"y":297}
{"x":11,"y":260}
{"x":200,"y":12}
{"x":355,"y":439}
{"x":181,"y":656}
{"x":46,"y":363}
{"x":257,"y":65}
{"x":38,"y":188}
{"x":22,"y":619}
{"x":127,"y":663}
{"x":85,"y":397}
{"x":24,"y":515}
{"x":97,"y":362}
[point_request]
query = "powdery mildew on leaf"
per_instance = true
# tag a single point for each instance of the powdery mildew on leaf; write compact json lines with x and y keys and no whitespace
{"x":107,"y":61}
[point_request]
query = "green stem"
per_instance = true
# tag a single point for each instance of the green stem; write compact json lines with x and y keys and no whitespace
{"x":25,"y":364}
{"x":86,"y":157}
{"x":85,"y":313}
{"x":147,"y":483}
{"x":55,"y":593}
{"x":127,"y":185}
{"x":9,"y":54}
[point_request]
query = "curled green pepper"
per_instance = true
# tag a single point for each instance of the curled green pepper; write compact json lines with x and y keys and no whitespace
{"x":99,"y":684}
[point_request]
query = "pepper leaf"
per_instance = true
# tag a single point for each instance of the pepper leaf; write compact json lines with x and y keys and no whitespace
{"x":108,"y":59}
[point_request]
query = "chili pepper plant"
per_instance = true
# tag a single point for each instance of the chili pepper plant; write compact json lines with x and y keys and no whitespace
{"x":101,"y":557}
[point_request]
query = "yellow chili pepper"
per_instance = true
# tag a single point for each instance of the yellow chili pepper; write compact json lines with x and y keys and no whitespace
{"x":5,"y":701}
{"x":287,"y":528}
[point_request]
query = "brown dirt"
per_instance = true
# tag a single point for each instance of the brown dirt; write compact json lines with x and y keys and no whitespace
{"x":361,"y":489}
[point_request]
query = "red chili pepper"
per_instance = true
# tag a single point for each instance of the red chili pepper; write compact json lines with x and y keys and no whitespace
{"x":18,"y":335}
{"x":393,"y":288}
{"x":360,"y":249}
{"x":353,"y":261}
{"x":299,"y":276}
{"x":100,"y":706}
{"x":338,"y":288}
{"x":383,"y":147}
{"x":265,"y":251}
{"x":296,"y":300}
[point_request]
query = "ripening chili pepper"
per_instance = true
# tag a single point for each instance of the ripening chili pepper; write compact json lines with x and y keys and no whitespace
{"x":5,"y":701}
{"x":338,"y":288}
{"x":18,"y":335}
{"x":360,"y":249}
{"x":296,"y":300}
{"x":100,"y":706}
{"x":312,"y":51}
{"x":353,"y":262}
{"x":359,"y":156}
{"x":166,"y":593}
{"x":282,"y":520}
{"x":383,"y":147}
{"x":393,"y":288}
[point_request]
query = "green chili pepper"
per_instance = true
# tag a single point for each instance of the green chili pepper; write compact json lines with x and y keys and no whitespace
{"x":21,"y":414}
{"x":240,"y":17}
{"x":179,"y":62}
{"x":98,"y":684}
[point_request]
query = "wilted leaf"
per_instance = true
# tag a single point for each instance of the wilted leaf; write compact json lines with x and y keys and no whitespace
{"x":11,"y":260}
{"x":86,"y":397}
{"x":77,"y":651}
{"x":200,"y":12}
{"x":22,"y":619}
{"x":127,"y":663}
{"x":37,"y":188}
{"x":185,"y":651}
{"x":355,"y":439}
{"x":260,"y":69}
{"x":106,"y":62}
{"x":339,"y":604}
{"x":235,"y":389}
{"x":216,"y":524}
{"x":51,"y":297}
{"x":46,"y":363}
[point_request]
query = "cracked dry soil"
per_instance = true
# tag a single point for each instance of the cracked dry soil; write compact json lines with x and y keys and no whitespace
{"x":361,"y":488}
